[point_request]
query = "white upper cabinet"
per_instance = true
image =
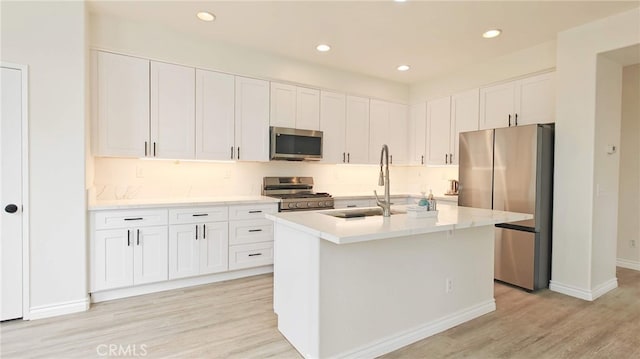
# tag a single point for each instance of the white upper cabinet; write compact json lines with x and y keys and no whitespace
{"x":464,"y":117}
{"x":283,"y":105}
{"x":357,"y":130}
{"x":307,"y":109}
{"x":215,"y":115}
{"x":398,"y":133}
{"x":332,"y":124}
{"x":438,"y":131}
{"x":252,"y":119}
{"x":172,"y":111}
{"x":526,"y":101}
{"x":378,"y":129}
{"x":537,"y":100}
{"x":120,"y":105}
{"x":417,"y":133}
{"x":294,"y":107}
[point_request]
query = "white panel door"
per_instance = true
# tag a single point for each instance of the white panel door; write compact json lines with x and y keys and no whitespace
{"x":332,"y":124}
{"x":252,"y":119}
{"x":215,"y":115}
{"x":465,"y":111}
{"x":497,"y":106}
{"x":438,"y":127}
{"x":172,"y":111}
{"x":214,"y":247}
{"x":357,"y":130}
{"x":398,"y":135}
{"x":307,"y":109}
{"x":378,"y":129}
{"x":150,"y":255}
{"x":11,"y":194}
{"x":283,"y":105}
{"x":536,"y":100}
{"x":113,"y":259}
{"x":120,"y":105}
{"x":184,"y":251}
{"x":417,"y":133}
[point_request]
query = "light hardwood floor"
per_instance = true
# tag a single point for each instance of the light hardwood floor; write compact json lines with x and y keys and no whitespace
{"x":235,"y":319}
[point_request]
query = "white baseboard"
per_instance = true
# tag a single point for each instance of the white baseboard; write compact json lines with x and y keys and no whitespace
{"x":397,"y":341}
{"x":627,"y":263}
{"x":54,"y":310}
{"x":111,"y":294}
{"x":584,"y":294}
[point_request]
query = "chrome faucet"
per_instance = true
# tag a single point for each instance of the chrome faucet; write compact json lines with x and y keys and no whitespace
{"x":383,"y":180}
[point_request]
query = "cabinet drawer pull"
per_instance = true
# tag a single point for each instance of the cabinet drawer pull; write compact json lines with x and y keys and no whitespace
{"x":138,"y":238}
{"x":255,"y":254}
{"x":134,"y":219}
{"x":128,"y":237}
{"x":200,"y":215}
{"x":238,"y":152}
{"x":255,"y":230}
{"x":446,"y":158}
{"x":255,"y":211}
{"x":351,"y":206}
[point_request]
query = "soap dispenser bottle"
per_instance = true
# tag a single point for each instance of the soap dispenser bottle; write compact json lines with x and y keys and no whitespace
{"x":424,"y":202}
{"x":431,"y":201}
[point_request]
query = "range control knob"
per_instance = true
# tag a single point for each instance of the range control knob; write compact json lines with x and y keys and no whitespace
{"x":311,"y":204}
{"x":292,"y":205}
{"x":300,"y":205}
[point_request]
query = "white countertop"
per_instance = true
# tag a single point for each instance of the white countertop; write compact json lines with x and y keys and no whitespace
{"x":360,"y":229}
{"x":178,"y":202}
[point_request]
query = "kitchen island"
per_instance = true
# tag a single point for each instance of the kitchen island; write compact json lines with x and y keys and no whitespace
{"x":365,"y":286}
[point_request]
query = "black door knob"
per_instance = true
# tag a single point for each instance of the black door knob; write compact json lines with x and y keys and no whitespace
{"x":11,"y":208}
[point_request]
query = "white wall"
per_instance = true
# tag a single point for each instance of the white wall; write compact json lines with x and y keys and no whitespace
{"x":629,"y":198}
{"x":49,"y":37}
{"x":606,"y":169}
{"x":165,"y":44}
{"x":527,"y":61}
{"x":575,"y":150}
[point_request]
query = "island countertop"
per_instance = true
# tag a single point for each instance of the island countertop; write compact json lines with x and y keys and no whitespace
{"x":361,"y":229}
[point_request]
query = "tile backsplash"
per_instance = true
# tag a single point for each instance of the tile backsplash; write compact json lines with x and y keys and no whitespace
{"x":119,"y":178}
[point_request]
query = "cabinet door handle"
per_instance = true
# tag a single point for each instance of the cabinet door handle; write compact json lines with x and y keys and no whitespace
{"x":154,"y":149}
{"x":128,"y":237}
{"x":422,"y":159}
{"x":231,"y":152}
{"x":509,"y":120}
{"x":138,"y":238}
{"x":145,"y":148}
{"x":446,"y":158}
{"x":238,"y":152}
{"x":255,"y":254}
{"x":204,"y":231}
{"x":451,"y":158}
{"x":348,"y":157}
{"x":344,"y":157}
{"x":255,"y":230}
{"x":200,"y":214}
{"x":134,"y":219}
{"x":255,"y":211}
{"x":391,"y":159}
{"x":196,"y":232}
{"x":516,"y":119}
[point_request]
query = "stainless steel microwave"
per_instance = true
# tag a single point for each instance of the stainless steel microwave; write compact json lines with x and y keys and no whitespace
{"x":295,"y":145}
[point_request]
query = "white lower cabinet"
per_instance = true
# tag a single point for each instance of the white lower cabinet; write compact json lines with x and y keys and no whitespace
{"x":196,"y":249}
{"x":250,"y":243}
{"x":129,"y":256}
{"x":250,"y":255}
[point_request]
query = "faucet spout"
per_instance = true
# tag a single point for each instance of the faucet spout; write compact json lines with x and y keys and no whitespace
{"x":384,"y":181}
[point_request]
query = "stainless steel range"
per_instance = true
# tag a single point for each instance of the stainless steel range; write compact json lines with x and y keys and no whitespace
{"x":295,"y":193}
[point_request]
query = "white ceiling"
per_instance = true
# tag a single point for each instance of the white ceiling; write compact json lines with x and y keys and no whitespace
{"x":374,"y":37}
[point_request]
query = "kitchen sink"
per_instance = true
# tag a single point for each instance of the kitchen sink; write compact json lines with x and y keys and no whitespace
{"x":355,"y":213}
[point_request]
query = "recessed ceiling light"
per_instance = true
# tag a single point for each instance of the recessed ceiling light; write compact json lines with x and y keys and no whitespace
{"x":489,"y":34}
{"x":206,"y":16}
{"x":403,"y":67}
{"x":323,"y":47}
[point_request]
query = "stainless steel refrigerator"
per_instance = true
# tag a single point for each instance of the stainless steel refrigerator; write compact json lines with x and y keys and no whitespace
{"x":511,"y":169}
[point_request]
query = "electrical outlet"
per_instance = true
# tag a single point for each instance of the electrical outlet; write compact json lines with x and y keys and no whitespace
{"x":633,"y":243}
{"x":448,"y":285}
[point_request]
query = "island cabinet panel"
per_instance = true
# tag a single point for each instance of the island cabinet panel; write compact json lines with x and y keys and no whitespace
{"x":367,"y":298}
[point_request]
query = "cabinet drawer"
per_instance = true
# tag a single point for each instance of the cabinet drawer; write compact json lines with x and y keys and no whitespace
{"x":198,"y":215}
{"x":253,"y":211}
{"x":134,"y":218}
{"x":250,"y":255}
{"x":250,"y":231}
